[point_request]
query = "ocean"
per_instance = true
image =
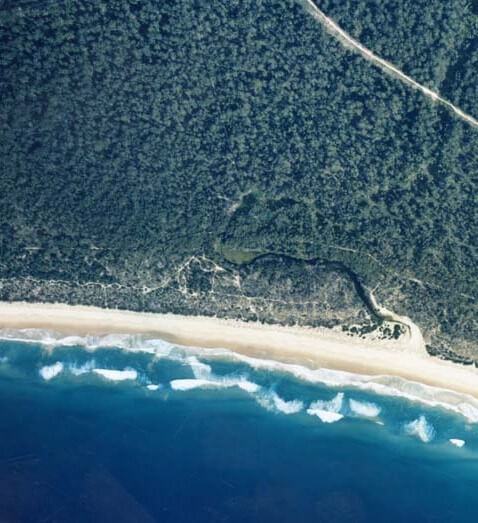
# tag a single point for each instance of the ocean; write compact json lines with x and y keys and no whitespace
{"x":129,"y":429}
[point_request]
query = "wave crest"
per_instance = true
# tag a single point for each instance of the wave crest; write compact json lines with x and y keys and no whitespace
{"x":364,"y":409}
{"x":194,"y":383}
{"x":48,"y":372}
{"x":117,"y":375}
{"x":270,"y":400}
{"x":328,"y":411}
{"x":420,"y":428}
{"x":462,"y":404}
{"x":383,"y":385}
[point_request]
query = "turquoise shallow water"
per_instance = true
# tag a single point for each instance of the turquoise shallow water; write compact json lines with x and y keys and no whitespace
{"x":144,"y":431}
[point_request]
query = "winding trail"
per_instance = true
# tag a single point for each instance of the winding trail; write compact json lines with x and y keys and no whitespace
{"x":346,"y":39}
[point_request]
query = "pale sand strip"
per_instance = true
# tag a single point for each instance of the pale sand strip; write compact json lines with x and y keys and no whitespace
{"x":310,"y":347}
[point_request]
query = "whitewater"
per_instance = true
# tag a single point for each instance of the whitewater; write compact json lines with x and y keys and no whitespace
{"x":131,"y":428}
{"x":355,"y":396}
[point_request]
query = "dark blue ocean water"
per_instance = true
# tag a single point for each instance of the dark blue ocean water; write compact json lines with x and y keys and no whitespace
{"x":75,"y":446}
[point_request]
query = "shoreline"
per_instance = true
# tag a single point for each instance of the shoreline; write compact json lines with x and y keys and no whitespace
{"x":309,"y":347}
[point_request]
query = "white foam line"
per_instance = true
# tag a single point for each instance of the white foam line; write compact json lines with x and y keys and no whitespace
{"x":385,"y":385}
{"x":337,"y":31}
{"x":52,"y":339}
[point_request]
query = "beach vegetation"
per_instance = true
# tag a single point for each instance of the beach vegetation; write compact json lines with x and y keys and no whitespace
{"x":137,"y":134}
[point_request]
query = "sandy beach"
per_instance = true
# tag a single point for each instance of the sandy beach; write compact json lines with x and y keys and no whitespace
{"x":306,"y":346}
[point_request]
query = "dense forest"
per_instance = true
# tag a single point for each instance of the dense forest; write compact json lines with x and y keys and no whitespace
{"x":137,"y":136}
{"x":433,"y":41}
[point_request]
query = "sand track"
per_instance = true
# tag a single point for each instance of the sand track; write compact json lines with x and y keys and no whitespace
{"x":387,"y":67}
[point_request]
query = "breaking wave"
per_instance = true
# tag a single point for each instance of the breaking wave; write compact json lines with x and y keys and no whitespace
{"x":364,"y":409}
{"x":194,"y":383}
{"x":117,"y":375}
{"x":78,"y":370}
{"x":328,"y":411}
{"x":200,"y":383}
{"x":384,"y":385}
{"x":52,"y":339}
{"x":420,"y":428}
{"x":324,"y":415}
{"x":48,"y":372}
{"x":205,"y":378}
{"x":270,"y":400}
{"x":199,"y":369}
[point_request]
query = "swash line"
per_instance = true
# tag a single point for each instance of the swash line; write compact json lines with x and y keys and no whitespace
{"x":339,"y":33}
